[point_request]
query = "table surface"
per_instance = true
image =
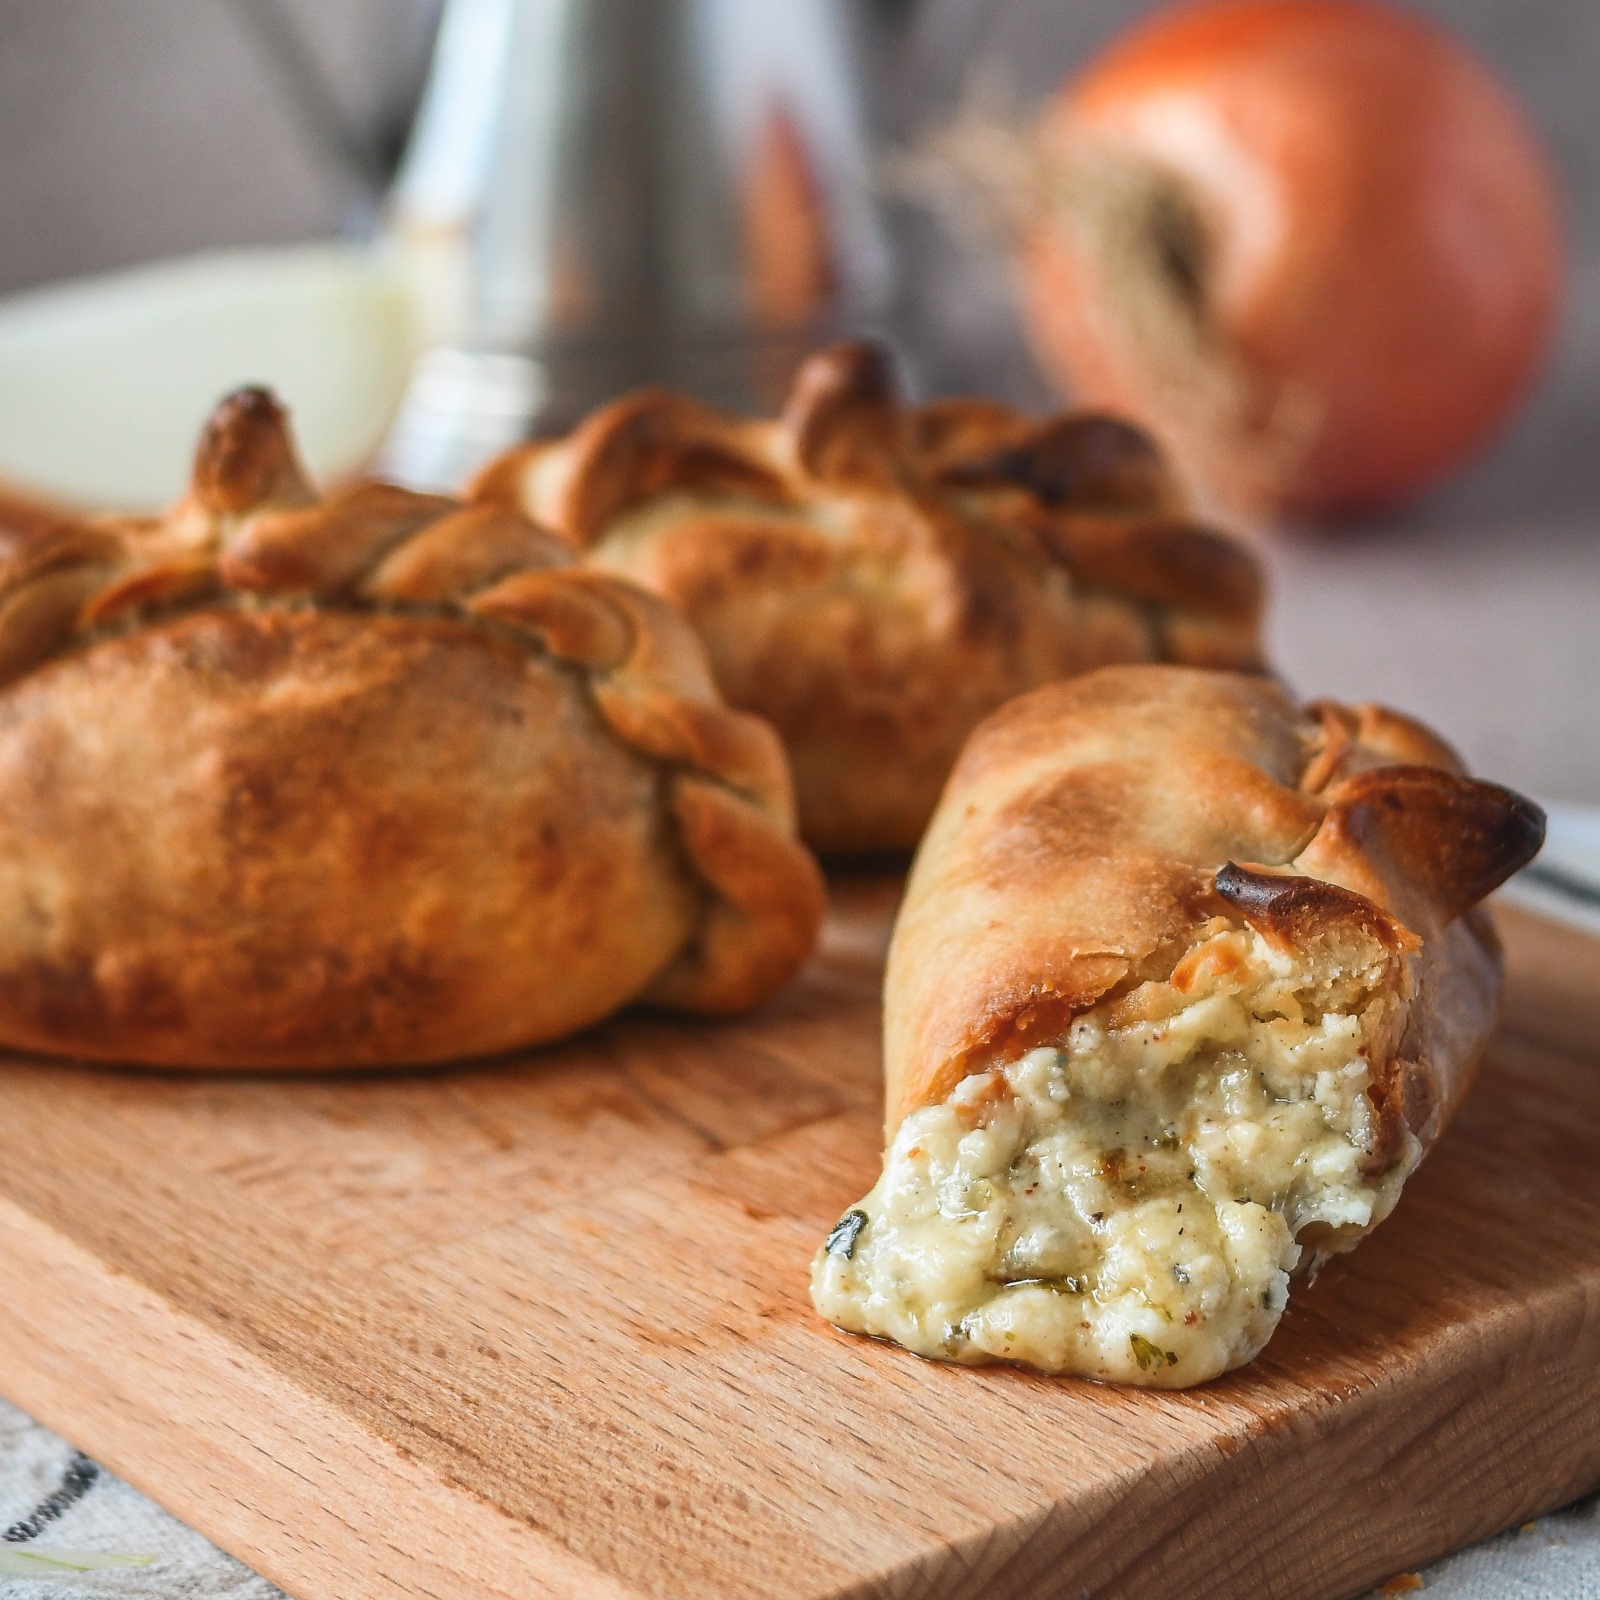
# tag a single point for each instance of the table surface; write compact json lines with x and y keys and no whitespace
{"x":53,"y":1501}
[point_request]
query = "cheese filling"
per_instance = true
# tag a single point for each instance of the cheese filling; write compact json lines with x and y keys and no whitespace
{"x":1125,"y":1203}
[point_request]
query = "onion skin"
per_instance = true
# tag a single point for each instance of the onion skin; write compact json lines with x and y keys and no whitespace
{"x":1380,"y":227}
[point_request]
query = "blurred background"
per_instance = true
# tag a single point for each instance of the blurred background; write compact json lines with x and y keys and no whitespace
{"x":132,"y":132}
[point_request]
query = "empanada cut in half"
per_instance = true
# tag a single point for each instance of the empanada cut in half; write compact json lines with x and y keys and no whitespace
{"x":1185,"y":983}
{"x":370,"y":778}
{"x":875,"y":578}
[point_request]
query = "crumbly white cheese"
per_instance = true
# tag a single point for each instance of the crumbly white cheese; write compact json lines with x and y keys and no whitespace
{"x":1125,"y":1204}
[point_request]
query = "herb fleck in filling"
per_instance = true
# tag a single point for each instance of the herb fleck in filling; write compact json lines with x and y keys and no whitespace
{"x":842,"y":1241}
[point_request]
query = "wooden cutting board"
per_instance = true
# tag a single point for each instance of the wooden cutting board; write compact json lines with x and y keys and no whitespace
{"x":540,"y":1328}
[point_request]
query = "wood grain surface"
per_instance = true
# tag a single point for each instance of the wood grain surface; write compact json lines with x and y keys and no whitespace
{"x":540,"y":1327}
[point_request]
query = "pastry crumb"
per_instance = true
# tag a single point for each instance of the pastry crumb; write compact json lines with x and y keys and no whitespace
{"x":1401,"y":1583}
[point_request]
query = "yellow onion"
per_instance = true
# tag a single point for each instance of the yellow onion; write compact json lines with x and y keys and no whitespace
{"x":1313,"y":244}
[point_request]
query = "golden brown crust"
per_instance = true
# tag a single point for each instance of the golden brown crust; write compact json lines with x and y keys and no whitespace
{"x":246,"y":461}
{"x":464,"y":551}
{"x":1172,"y":564}
{"x":1065,"y":857}
{"x":1425,"y":842}
{"x":1291,"y":909}
{"x":1351,"y":738}
{"x":373,"y":779}
{"x":1094,"y":831}
{"x":843,"y":424}
{"x":640,"y":446}
{"x":1086,"y":460}
{"x":25,"y":516}
{"x":322,"y":549}
{"x":874,"y":579}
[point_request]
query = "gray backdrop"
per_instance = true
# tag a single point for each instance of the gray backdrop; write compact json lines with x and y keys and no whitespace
{"x":137,"y":128}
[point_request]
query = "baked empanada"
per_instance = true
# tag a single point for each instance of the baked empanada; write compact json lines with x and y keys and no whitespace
{"x":875,"y":579}
{"x":372,"y":778}
{"x":1185,"y":982}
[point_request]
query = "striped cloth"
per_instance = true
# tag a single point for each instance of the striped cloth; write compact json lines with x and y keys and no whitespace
{"x":56,"y":1503}
{"x":61,"y":1513}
